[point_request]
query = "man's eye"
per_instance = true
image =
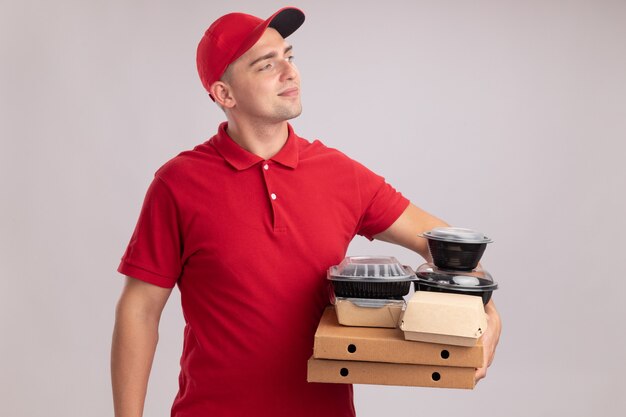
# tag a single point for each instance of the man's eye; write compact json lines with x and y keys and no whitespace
{"x":266,"y":67}
{"x":290,"y":58}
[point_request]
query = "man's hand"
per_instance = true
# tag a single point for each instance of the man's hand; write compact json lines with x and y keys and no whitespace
{"x":490,"y":339}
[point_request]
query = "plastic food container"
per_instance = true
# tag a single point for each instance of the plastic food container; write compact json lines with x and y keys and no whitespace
{"x":477,"y":282}
{"x":455,"y":247}
{"x":371,"y":277}
{"x":367,"y":312}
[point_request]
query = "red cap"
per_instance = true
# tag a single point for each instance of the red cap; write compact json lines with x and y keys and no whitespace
{"x":233,"y":34}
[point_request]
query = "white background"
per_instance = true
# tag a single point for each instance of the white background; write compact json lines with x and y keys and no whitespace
{"x":504,"y":116}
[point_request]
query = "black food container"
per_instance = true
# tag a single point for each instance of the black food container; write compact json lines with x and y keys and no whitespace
{"x":478,"y":282}
{"x":380,"y":277}
{"x":455,"y":247}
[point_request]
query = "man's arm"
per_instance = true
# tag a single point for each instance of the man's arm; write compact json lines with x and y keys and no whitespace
{"x":135,"y":338}
{"x":404,"y":232}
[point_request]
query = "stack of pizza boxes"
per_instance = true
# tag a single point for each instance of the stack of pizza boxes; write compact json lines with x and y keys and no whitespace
{"x":371,"y":335}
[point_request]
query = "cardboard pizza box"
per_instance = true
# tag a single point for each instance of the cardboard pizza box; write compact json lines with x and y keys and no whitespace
{"x":379,"y":373}
{"x":371,"y":344}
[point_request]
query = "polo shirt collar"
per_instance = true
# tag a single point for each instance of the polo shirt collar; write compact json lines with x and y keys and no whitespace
{"x":242,"y":159}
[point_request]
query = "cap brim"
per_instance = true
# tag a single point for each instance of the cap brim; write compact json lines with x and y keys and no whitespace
{"x":286,"y":21}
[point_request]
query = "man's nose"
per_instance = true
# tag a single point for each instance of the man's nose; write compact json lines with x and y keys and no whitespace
{"x":289,"y":70}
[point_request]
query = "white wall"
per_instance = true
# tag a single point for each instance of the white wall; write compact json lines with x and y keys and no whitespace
{"x":505,"y":116}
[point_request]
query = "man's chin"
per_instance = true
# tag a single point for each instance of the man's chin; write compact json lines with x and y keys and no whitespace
{"x":289,"y":114}
{"x":296,"y":114}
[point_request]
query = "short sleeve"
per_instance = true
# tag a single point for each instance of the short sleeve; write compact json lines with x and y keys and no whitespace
{"x":381,"y":203}
{"x":154,"y":251}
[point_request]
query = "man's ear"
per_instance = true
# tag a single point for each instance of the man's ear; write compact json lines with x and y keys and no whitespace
{"x":222,"y":94}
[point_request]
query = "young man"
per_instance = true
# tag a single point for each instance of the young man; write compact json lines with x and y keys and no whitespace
{"x":246,"y":224}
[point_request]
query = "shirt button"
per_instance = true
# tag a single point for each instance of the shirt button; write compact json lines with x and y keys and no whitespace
{"x":266,"y":167}
{"x":273,"y":196}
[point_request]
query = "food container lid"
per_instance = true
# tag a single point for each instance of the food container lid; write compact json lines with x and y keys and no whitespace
{"x":475,"y":280}
{"x":372,"y":302}
{"x":371,"y":269}
{"x":456,"y":234}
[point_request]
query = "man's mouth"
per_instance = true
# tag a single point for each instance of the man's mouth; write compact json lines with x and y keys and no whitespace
{"x":290,"y":92}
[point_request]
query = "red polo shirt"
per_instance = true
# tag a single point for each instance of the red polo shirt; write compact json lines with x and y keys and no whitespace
{"x":248,"y":241}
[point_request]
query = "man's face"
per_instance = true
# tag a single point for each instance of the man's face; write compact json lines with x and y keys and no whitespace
{"x":264,"y":81}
